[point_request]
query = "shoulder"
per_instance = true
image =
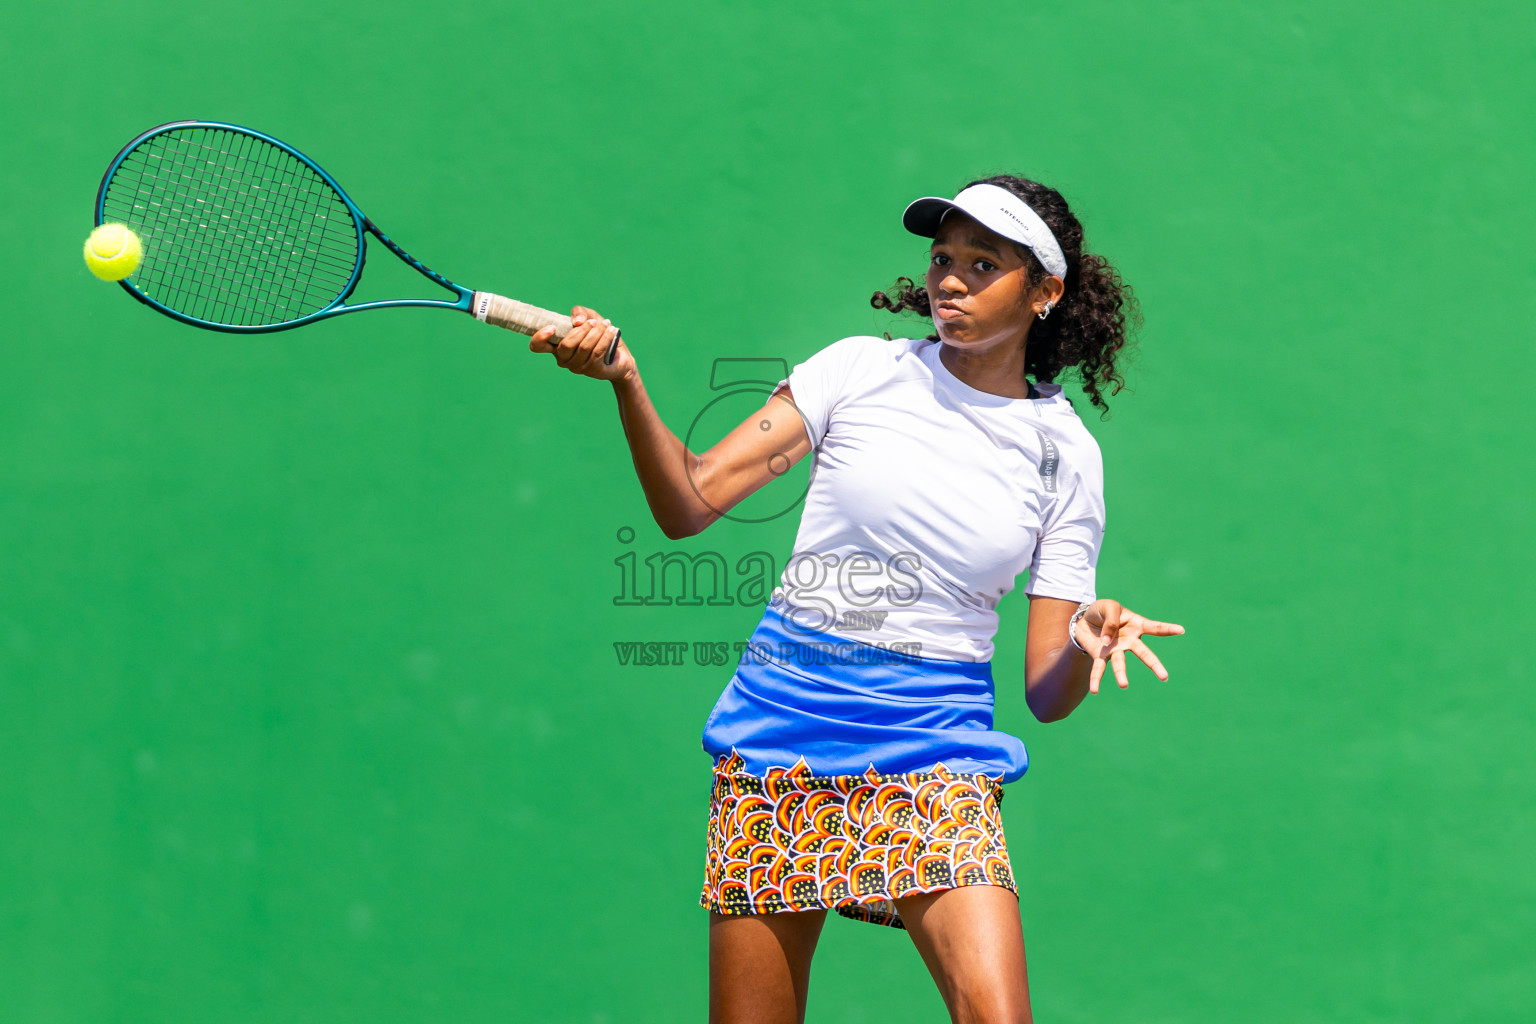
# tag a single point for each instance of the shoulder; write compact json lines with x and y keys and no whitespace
{"x":1081,"y":440}
{"x":1088,"y":460}
{"x":860,"y":358}
{"x":870,"y":347}
{"x":838,"y":374}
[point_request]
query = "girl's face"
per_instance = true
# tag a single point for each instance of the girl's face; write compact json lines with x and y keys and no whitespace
{"x":978,"y":288}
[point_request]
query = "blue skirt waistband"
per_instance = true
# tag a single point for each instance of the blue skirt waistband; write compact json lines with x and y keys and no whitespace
{"x":844,"y":706}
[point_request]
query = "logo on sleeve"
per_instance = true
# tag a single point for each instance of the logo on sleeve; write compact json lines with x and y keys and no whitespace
{"x":1050,"y":459}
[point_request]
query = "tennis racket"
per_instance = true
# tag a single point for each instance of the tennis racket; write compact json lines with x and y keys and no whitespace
{"x":241,"y":232}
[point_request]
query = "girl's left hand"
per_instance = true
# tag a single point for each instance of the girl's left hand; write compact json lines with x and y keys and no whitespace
{"x":1107,"y":630}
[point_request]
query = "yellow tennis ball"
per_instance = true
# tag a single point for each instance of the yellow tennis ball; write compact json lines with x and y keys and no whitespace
{"x":113,"y":252}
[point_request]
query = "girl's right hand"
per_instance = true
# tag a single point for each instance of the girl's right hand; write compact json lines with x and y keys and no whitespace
{"x":582,"y":350}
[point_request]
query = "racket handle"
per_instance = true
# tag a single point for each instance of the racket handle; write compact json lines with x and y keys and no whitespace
{"x":501,"y":311}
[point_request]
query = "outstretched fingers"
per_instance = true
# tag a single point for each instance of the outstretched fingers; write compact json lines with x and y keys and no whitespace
{"x":1117,"y":662}
{"x":1121,"y":631}
{"x":1151,"y":660}
{"x":1094,"y":674}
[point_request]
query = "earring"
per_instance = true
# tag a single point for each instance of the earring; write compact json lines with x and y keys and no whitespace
{"x":1047,"y":311}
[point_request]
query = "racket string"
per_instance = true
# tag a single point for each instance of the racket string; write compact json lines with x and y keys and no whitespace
{"x":236,"y":230}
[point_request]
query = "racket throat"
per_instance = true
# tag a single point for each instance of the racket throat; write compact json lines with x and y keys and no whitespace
{"x":411,"y":261}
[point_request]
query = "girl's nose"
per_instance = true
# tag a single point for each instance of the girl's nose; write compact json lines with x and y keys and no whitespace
{"x":953,"y":285}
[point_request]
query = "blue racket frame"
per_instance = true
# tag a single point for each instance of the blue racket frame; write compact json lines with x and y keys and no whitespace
{"x":364,"y":226}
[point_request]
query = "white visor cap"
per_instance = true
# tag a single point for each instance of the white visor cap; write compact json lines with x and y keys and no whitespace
{"x":996,"y":208}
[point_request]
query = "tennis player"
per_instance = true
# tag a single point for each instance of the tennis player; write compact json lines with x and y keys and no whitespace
{"x":856,"y":768}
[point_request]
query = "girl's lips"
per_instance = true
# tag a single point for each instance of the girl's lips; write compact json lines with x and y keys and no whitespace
{"x":948,"y":313}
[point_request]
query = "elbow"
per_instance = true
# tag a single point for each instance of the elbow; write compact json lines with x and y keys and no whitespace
{"x":682,"y":527}
{"x":1046,"y":713}
{"x":674,"y":531}
{"x":682,"y":515}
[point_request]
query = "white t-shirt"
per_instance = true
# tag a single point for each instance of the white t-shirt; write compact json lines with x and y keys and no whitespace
{"x":928,"y":498}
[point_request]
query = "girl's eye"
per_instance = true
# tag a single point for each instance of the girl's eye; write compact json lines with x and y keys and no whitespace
{"x":940,"y":260}
{"x":985,"y":267}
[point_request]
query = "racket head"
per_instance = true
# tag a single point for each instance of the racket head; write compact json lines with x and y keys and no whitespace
{"x":240,"y":232}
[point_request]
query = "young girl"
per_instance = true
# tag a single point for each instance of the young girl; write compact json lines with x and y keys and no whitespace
{"x":856,"y":768}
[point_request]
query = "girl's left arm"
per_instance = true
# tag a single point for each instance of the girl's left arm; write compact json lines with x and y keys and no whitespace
{"x":1057,"y":676}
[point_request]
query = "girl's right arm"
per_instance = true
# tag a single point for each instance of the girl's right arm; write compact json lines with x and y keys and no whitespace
{"x":686,"y":492}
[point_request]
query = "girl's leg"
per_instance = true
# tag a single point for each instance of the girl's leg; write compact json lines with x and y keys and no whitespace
{"x":760,"y":966}
{"x":973,"y":944}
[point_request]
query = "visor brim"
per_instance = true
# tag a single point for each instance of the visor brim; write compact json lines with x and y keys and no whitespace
{"x":922,"y":216}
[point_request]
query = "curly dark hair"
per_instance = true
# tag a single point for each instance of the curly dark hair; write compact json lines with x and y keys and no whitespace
{"x":1086,"y":331}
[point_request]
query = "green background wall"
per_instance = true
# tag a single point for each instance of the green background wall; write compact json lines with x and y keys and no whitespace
{"x":309,"y":706}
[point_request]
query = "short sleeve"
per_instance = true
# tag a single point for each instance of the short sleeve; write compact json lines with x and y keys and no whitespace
{"x":822,"y":379}
{"x":1067,"y":554}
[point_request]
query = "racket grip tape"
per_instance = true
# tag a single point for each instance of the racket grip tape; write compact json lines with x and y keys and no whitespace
{"x":500,"y":311}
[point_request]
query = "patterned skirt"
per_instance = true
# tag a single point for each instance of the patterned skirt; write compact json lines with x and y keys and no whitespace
{"x":790,"y":840}
{"x":893,"y":787}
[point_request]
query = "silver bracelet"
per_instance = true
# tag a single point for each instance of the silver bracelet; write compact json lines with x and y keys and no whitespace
{"x":1072,"y":626}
